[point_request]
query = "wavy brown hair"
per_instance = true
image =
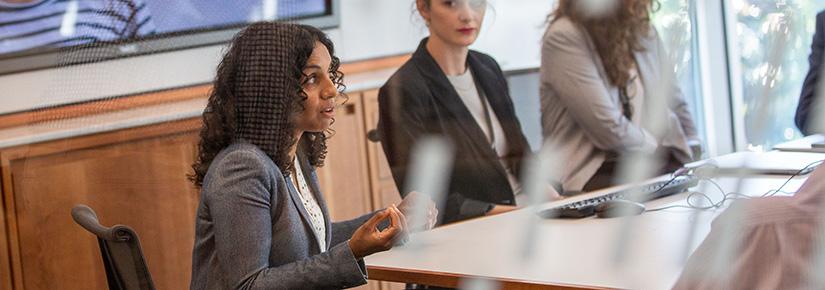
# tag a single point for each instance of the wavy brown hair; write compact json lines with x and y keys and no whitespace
{"x":258,"y":93}
{"x":616,"y":37}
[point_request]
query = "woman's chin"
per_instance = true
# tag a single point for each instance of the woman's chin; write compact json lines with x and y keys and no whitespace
{"x":322,"y":127}
{"x":316,"y":131}
{"x":465,"y":40}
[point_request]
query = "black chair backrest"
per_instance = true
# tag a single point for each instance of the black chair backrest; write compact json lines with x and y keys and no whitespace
{"x":122,"y":256}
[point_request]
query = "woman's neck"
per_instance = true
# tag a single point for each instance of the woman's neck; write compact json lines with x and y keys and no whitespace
{"x":450,"y":58}
{"x":294,"y":149}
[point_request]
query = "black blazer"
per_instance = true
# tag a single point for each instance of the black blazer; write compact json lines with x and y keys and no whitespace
{"x":419,"y":100}
{"x":806,"y":99}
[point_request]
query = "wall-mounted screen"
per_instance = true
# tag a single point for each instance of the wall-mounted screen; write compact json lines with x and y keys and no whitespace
{"x":37,"y":34}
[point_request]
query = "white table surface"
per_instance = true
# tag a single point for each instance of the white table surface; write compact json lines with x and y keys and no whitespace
{"x":573,"y":252}
{"x":802,"y":144}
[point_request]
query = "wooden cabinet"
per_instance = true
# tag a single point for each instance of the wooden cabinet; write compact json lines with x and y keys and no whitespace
{"x":384,"y":191}
{"x":135,"y":177}
{"x":344,"y":178}
{"x":138,"y":177}
{"x":356,"y":178}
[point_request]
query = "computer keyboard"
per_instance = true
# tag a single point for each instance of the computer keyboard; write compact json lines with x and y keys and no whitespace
{"x":642,"y":193}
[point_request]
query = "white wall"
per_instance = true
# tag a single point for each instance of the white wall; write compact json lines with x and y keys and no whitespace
{"x":368,"y":29}
{"x":374,"y":28}
{"x":512,"y":32}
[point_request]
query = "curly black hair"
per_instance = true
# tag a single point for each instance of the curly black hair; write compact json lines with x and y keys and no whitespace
{"x":258,"y":94}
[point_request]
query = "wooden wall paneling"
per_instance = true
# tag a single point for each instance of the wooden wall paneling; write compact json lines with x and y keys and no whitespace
{"x":137,"y":178}
{"x":344,"y":176}
{"x":5,"y":259}
{"x":383,"y":187}
{"x":103,"y":106}
{"x":106,"y":138}
{"x":375,"y":64}
{"x":11,"y":225}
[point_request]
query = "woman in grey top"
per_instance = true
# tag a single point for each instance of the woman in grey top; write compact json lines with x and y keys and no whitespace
{"x":262,"y":222}
{"x":604,"y":72}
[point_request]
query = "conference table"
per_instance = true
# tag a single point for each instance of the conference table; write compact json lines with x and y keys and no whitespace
{"x":519,"y":250}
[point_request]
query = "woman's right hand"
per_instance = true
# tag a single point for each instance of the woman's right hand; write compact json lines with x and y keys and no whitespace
{"x":368,"y":239}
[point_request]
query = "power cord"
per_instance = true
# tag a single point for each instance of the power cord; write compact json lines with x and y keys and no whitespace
{"x":710,"y":203}
{"x":804,"y":169}
{"x":729,"y":196}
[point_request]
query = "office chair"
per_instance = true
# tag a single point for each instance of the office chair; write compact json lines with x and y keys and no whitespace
{"x":122,"y":256}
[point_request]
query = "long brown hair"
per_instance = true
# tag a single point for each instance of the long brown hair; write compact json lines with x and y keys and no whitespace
{"x":616,"y":37}
{"x":258,"y":92}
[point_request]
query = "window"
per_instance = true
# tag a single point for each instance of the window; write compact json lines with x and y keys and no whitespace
{"x":674,"y":22}
{"x":768,"y":49}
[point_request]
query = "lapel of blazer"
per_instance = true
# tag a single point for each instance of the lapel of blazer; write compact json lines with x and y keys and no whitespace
{"x":496,"y":94}
{"x":296,"y":199}
{"x":650,"y":76}
{"x":658,"y":80}
{"x":444,"y":93}
{"x":312,"y":180}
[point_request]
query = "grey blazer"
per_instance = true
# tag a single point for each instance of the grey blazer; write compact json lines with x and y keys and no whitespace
{"x":252,"y":231}
{"x":581,"y":111}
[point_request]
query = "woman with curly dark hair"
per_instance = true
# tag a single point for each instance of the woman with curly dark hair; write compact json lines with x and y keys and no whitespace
{"x":604,"y":72}
{"x":262,"y":222}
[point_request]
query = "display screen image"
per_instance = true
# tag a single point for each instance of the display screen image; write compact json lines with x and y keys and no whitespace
{"x":37,"y":34}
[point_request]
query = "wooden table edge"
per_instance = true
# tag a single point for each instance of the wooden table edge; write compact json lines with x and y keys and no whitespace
{"x":452,"y":280}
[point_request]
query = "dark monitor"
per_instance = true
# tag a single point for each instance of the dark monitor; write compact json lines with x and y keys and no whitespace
{"x":38,"y":34}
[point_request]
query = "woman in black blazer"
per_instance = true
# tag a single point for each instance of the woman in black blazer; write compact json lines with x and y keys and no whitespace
{"x":421,"y":99}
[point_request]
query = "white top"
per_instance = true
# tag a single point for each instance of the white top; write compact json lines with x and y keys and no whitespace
{"x":465,"y":86}
{"x":316,"y":217}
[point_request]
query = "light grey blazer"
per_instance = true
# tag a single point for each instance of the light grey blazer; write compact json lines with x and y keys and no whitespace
{"x":581,"y":111}
{"x":252,"y":231}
